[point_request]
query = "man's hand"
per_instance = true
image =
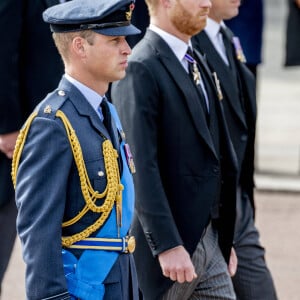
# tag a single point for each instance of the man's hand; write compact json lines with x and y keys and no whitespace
{"x":232,"y":266}
{"x":177,"y":265}
{"x":7,"y":143}
{"x":297,"y":3}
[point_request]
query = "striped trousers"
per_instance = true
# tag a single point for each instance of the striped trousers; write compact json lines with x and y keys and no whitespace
{"x":213,"y":281}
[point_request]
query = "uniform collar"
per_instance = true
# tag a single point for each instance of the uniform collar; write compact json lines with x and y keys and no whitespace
{"x":91,"y":96}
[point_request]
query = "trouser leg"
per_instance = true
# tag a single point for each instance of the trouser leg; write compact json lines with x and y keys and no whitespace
{"x":121,"y":282}
{"x":253,"y":280}
{"x":8,"y":214}
{"x":213,"y":281}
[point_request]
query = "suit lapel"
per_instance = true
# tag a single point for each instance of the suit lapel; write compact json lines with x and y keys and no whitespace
{"x":203,"y":43}
{"x":183,"y":82}
{"x":247,"y":79}
{"x":249,"y":84}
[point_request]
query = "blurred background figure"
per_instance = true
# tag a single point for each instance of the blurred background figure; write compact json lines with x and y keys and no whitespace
{"x":140,"y":18}
{"x":248,"y":26}
{"x":292,"y":53}
{"x":30,"y":67}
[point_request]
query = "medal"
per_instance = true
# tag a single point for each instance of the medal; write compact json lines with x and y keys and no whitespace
{"x":218,"y":86}
{"x":195,"y":70}
{"x":238,"y":49}
{"x":129,"y":159}
{"x":196,"y":74}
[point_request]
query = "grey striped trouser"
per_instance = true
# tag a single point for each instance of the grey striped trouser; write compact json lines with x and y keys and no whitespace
{"x":213,"y":281}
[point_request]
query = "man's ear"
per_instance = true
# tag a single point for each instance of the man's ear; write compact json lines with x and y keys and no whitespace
{"x":78,"y":46}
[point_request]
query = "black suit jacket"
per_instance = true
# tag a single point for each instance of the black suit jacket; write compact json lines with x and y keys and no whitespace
{"x":179,"y":170}
{"x":30,"y":67}
{"x":292,"y":39}
{"x":239,"y":106}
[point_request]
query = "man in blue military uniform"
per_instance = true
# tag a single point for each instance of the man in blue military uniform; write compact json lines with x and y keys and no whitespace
{"x":72,"y":168}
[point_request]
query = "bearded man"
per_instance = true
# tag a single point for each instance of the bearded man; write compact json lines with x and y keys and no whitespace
{"x":186,"y":167}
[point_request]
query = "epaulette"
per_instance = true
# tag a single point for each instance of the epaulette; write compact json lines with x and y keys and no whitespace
{"x":51,"y":104}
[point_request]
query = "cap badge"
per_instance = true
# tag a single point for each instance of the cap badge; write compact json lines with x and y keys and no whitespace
{"x":129,"y":13}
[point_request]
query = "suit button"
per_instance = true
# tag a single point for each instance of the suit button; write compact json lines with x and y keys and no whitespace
{"x":216,"y":170}
{"x":244,"y":137}
{"x":153,"y":247}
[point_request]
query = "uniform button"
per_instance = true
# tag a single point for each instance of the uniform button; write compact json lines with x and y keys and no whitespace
{"x":61,"y":93}
{"x":100,"y":173}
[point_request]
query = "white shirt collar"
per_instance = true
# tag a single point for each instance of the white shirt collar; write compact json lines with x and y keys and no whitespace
{"x":212,"y":28}
{"x":178,"y":46}
{"x":91,"y":96}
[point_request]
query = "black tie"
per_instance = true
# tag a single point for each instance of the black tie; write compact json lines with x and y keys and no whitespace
{"x":111,"y":127}
{"x":109,"y":123}
{"x":196,"y":77}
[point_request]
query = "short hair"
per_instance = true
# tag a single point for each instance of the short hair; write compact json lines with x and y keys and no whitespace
{"x":64,"y":39}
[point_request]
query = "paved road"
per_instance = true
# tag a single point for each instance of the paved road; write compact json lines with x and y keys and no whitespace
{"x":278,"y":126}
{"x":278,"y":219}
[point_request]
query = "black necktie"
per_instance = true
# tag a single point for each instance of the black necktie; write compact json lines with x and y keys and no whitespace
{"x":196,"y":77}
{"x":111,"y":127}
{"x":109,"y":123}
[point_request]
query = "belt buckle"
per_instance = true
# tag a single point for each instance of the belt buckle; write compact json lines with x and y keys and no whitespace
{"x":130,"y":240}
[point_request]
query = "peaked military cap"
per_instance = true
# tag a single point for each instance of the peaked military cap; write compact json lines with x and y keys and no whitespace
{"x":107,"y":17}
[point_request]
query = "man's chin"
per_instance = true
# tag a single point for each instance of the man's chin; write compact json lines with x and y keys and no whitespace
{"x":119,"y":76}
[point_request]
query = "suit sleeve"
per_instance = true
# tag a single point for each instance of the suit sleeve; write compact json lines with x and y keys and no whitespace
{"x":10,"y":32}
{"x":41,"y":189}
{"x":137,"y":98}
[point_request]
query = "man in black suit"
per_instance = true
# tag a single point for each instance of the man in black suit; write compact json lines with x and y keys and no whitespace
{"x":185,"y":181}
{"x":292,"y":38}
{"x":224,"y":56}
{"x":30,"y":67}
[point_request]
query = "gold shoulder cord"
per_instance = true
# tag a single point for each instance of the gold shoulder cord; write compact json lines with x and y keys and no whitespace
{"x":112,"y":192}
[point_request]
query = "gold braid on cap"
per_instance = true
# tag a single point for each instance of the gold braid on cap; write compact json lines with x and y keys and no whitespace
{"x":112,"y":192}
